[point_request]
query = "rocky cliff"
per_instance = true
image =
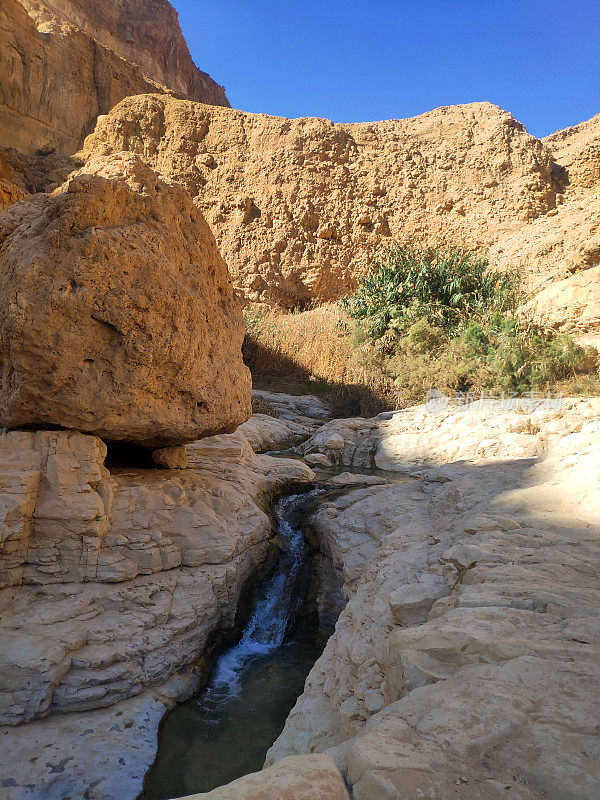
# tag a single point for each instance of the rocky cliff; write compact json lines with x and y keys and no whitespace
{"x":64,"y":62}
{"x":115,"y":585}
{"x":299,"y":207}
{"x":465,"y":663}
{"x":567,"y":239}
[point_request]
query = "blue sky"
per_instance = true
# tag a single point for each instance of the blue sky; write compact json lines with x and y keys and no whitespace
{"x":356,"y":61}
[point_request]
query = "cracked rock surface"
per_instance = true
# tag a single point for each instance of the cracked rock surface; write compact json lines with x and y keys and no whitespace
{"x":465,"y":663}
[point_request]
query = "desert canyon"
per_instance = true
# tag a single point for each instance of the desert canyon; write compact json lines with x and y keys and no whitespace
{"x":454,"y":552}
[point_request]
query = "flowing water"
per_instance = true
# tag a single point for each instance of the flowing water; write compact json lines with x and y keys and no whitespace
{"x":224,"y":732}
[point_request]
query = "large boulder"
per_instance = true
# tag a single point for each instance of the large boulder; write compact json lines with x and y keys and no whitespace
{"x":117,"y":313}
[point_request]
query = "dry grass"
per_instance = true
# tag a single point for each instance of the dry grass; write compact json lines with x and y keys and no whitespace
{"x":320,"y":352}
{"x":311,"y":352}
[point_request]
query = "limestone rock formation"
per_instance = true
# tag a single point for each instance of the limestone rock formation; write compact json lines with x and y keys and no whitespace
{"x":299,"y":207}
{"x":63,"y":62}
{"x":465,"y":663}
{"x":577,"y":154}
{"x":145,"y":33}
{"x":566,"y":239}
{"x":293,"y":778}
{"x":115,"y":585}
{"x":290,"y":419}
{"x":552,"y":247}
{"x":117,"y":312}
{"x":571,"y":305}
{"x":12,"y":187}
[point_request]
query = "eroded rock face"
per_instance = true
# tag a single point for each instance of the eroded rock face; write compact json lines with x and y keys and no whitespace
{"x":63,"y":62}
{"x":114,"y":586}
{"x":577,"y":154}
{"x":145,"y":33}
{"x":567,"y":239}
{"x":118,"y":315}
{"x":12,"y":186}
{"x":466,"y":660}
{"x":299,"y":207}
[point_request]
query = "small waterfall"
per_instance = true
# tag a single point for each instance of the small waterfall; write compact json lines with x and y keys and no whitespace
{"x":277,"y":601}
{"x":225,"y":731}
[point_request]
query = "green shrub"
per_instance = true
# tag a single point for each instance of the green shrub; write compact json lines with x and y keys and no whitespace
{"x":509,"y":355}
{"x":445,"y":285}
{"x":442,"y":319}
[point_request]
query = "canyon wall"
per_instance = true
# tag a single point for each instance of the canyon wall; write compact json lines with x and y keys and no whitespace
{"x":63,"y":62}
{"x":301,"y":207}
{"x":567,"y":239}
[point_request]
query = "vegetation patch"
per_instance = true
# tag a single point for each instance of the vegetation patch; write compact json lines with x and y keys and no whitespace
{"x":441,"y":318}
{"x":421,"y":319}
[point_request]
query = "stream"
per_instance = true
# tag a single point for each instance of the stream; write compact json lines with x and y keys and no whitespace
{"x":226,"y":730}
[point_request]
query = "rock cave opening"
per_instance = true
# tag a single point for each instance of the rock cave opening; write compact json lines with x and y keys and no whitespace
{"x":126,"y":455}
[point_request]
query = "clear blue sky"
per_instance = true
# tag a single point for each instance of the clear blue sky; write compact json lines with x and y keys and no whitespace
{"x":355,"y":61}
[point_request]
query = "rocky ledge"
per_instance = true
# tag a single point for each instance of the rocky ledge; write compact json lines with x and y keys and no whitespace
{"x":465,"y":663}
{"x":116,"y":586}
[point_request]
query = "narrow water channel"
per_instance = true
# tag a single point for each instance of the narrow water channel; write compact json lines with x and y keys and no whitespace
{"x":225,"y":732}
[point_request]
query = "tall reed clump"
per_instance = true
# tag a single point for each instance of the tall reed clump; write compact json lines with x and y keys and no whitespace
{"x":448,"y":286}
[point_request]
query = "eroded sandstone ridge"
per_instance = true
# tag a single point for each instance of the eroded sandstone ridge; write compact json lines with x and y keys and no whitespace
{"x":63,"y":62}
{"x":465,"y":663}
{"x":117,"y":312}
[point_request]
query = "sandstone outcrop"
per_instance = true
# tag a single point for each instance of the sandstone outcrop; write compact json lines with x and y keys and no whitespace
{"x":64,"y":62}
{"x":115,"y":587}
{"x":566,"y":239}
{"x":117,"y":312}
{"x":552,"y":247}
{"x":145,"y":33}
{"x":577,"y":154}
{"x":300,"y":207}
{"x":465,"y":663}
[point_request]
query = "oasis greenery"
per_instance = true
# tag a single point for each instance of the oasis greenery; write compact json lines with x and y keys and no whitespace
{"x":440,"y":317}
